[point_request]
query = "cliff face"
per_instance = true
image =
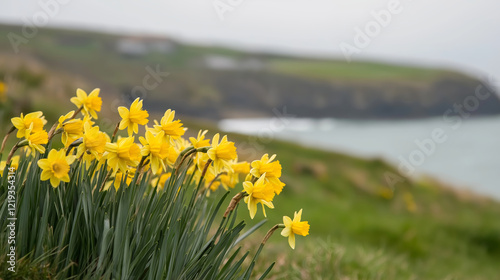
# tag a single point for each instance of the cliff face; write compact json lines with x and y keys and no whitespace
{"x":250,"y":94}
{"x":216,"y":83}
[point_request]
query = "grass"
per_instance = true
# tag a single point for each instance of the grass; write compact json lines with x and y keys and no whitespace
{"x":364,"y":71}
{"x":357,"y":234}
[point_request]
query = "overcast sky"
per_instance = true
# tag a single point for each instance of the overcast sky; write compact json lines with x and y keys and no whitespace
{"x":461,"y":34}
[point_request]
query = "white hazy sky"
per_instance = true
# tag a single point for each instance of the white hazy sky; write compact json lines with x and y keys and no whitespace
{"x":460,"y":34}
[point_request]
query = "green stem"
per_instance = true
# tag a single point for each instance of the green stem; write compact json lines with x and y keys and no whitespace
{"x":14,"y":149}
{"x":76,"y":143}
{"x":187,"y":154}
{"x":204,"y":172}
{"x":114,"y":132}
{"x":270,"y":233}
{"x":234,"y":202}
{"x":4,"y":142}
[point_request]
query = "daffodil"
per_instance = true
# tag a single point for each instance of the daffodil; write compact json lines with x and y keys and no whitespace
{"x":56,"y":167}
{"x":222,"y":153}
{"x":172,"y":156}
{"x":181,"y":144}
{"x":230,"y":179}
{"x":36,"y":139}
{"x":91,"y":103}
{"x":62,"y":119}
{"x":200,"y":141}
{"x":260,"y":192}
{"x":242,"y":167}
{"x":131,"y":119}
{"x":201,"y":160}
{"x":13,"y":163}
{"x":293,"y":227}
{"x":170,"y":127}
{"x":72,"y":130}
{"x":122,"y":154}
{"x":156,"y":150}
{"x":24,"y":122}
{"x":93,"y":144}
{"x":271,"y":168}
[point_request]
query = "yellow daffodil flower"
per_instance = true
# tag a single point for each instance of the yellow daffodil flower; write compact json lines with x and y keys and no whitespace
{"x":272,"y":170}
{"x":201,"y":160}
{"x":242,"y":167}
{"x":156,"y":150}
{"x":36,"y":139}
{"x":94,"y":143}
{"x":200,"y":141}
{"x":181,"y":144}
{"x":131,"y":119}
{"x":24,"y":122}
{"x":56,"y":167}
{"x":63,"y":118}
{"x":72,"y":130}
{"x":170,"y":127}
{"x":91,"y":103}
{"x":172,"y":156}
{"x":222,"y":153}
{"x":122,"y":154}
{"x":293,"y":227}
{"x":260,"y":192}
{"x":230,"y":179}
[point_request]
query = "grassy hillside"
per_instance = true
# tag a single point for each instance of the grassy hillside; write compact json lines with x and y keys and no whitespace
{"x":359,"y":71}
{"x":361,"y":229}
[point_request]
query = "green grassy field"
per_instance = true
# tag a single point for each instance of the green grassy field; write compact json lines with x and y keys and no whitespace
{"x":359,"y":71}
{"x":357,"y":232}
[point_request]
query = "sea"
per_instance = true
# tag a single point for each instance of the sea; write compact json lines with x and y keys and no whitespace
{"x":459,"y":150}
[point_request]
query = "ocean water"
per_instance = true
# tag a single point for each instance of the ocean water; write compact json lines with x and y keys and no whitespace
{"x":464,"y":152}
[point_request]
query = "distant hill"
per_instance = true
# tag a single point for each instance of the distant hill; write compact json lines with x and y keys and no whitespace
{"x":215,"y":82}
